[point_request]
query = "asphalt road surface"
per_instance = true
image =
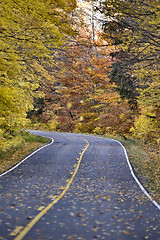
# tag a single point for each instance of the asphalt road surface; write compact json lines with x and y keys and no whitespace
{"x":77,"y":188}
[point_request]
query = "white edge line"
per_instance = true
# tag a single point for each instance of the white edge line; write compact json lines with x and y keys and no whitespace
{"x":140,"y":185}
{"x":27,"y":157}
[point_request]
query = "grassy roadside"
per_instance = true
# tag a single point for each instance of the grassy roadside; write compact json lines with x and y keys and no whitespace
{"x":27,"y":143}
{"x":145,"y":160}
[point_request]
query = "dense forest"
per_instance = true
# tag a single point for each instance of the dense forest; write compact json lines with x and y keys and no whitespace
{"x":86,"y":66}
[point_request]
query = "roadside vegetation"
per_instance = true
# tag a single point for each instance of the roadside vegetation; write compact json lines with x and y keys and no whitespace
{"x":22,"y":145}
{"x":145,"y":160}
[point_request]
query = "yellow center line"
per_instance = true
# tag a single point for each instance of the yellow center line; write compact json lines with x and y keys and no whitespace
{"x":16,"y":231}
{"x":37,"y":218}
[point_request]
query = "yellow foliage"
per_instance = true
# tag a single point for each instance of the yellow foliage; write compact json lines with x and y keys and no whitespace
{"x":145,"y":128}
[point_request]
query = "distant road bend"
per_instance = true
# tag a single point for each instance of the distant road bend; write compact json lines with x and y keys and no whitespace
{"x":77,"y":188}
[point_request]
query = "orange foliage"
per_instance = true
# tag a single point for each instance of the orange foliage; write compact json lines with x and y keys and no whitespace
{"x":83,"y":99}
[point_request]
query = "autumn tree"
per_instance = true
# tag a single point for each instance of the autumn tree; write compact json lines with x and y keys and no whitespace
{"x":134,"y":27}
{"x":81,"y":98}
{"x":29,"y":32}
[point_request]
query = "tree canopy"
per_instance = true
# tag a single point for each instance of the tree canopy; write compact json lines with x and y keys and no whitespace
{"x":58,"y":69}
{"x":29,"y":31}
{"x":134,"y":27}
{"x":81,"y":98}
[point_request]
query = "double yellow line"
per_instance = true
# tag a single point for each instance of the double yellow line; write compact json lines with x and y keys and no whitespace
{"x":44,"y":211}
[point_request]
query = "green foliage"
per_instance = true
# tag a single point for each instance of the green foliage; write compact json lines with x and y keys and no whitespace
{"x":126,"y":84}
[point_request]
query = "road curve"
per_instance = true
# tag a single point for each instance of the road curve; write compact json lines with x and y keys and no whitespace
{"x":78,"y":187}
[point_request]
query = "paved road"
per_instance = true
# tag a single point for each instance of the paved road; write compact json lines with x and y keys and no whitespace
{"x":79,"y":187}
